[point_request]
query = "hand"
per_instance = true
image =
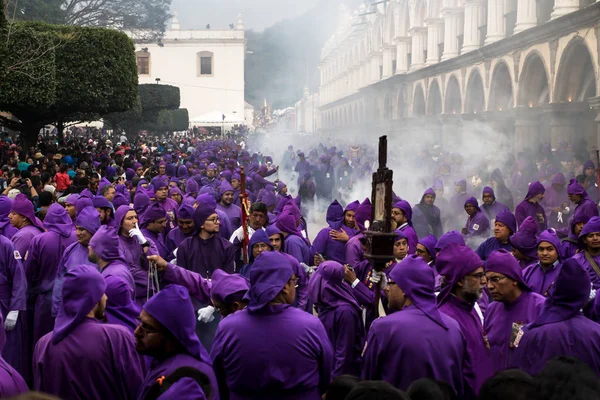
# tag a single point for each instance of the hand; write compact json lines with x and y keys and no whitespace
{"x":206,"y":314}
{"x":464,"y":231}
{"x":28,"y":182}
{"x":383,"y":282}
{"x":136,"y":233}
{"x":556,"y":209}
{"x":11,"y":320}
{"x":340,"y":236}
{"x":160,"y":262}
{"x":375,"y":277}
{"x":14,"y":182}
{"x":349,"y":274}
{"x":318,"y":259}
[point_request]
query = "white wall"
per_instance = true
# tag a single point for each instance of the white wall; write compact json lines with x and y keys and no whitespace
{"x":176,"y":64}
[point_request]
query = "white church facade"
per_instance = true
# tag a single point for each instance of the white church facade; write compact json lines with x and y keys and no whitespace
{"x":207,"y":65}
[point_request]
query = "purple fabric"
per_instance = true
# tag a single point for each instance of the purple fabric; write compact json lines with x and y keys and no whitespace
{"x":83,"y":286}
{"x":252,"y":349}
{"x":508,"y":219}
{"x":103,"y":243}
{"x":454,"y":262}
{"x":6,"y":229}
{"x":542,"y":280}
{"x":228,"y":288}
{"x":477,"y":224}
{"x":491,"y":245}
{"x":535,"y":211}
{"x":270,"y":273}
{"x":121,"y":308}
{"x":153,"y":212}
{"x":535,"y":188}
{"x":395,"y":354}
{"x":363,"y":214}
{"x":21,"y":205}
{"x":449,"y":238}
{"x":556,"y":198}
{"x":11,"y":382}
{"x":13,"y":297}
{"x":561,"y":329}
{"x":525,"y":239}
{"x":82,"y":203}
{"x":204,"y":210}
{"x":429,"y":242}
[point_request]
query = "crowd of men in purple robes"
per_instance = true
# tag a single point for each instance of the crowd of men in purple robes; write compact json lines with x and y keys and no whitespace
{"x":137,"y":270}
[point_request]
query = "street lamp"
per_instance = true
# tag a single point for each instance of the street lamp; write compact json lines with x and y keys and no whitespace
{"x":157,"y":80}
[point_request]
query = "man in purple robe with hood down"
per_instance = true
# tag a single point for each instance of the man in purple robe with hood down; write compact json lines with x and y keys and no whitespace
{"x":490,"y":206}
{"x":541,"y":277}
{"x":271,"y":350}
{"x":531,"y":207}
{"x":84,"y":358}
{"x":505,"y":226}
{"x":166,"y":332}
{"x":579,"y":197}
{"x":22,"y":217}
{"x":225,"y":204}
{"x":330,"y":242}
{"x":340,"y":314}
{"x":463,"y":272}
{"x":402,"y":215}
{"x":514,"y":306}
{"x":417,"y":340}
{"x":561,"y":329}
{"x":589,"y":257}
{"x":120,"y":306}
{"x":426,"y":216}
{"x":13,"y":301}
{"x":41,"y":267}
{"x":11,"y":383}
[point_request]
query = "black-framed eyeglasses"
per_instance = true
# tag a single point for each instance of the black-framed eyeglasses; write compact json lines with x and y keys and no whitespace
{"x":420,"y":251}
{"x":145,"y":328}
{"x":495,"y":279}
{"x":295,"y":280}
{"x":391,"y":283}
{"x":214,"y":220}
{"x":480,"y":276}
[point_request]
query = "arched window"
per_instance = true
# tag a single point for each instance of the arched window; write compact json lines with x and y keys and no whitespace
{"x":205,"y":62}
{"x":142,"y":59}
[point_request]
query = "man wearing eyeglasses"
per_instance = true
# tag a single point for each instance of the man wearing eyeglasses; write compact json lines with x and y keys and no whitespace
{"x":514,"y":306}
{"x":203,"y":253}
{"x":464,"y":280}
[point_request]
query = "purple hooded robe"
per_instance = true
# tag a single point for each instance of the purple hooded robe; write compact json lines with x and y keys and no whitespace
{"x":41,"y":267}
{"x":561,"y":329}
{"x":23,"y":237}
{"x":340,"y":314}
{"x":234,"y":213}
{"x":586,"y":206}
{"x":256,"y":356}
{"x":324,"y":244}
{"x":13,"y":297}
{"x":173,"y":308}
{"x":354,"y":251}
{"x":593,"y":271}
{"x":495,"y":208}
{"x":541,"y":280}
{"x":534,"y":210}
{"x":6,"y":229}
{"x":418,"y":341}
{"x":11,"y":383}
{"x":478,"y":224}
{"x":406,"y":228}
{"x":294,"y":244}
{"x":502,"y":319}
{"x":67,"y":366}
{"x":556,"y":197}
{"x":455,"y":262}
{"x":486,"y":248}
{"x":427,"y":219}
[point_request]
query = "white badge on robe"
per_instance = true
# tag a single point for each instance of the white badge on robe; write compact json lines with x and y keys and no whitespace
{"x":475,"y":227}
{"x":17,"y":255}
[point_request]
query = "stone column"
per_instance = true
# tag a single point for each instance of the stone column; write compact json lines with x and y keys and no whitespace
{"x":402,"y":47}
{"x":435,"y":36}
{"x":474,"y":17}
{"x":388,"y":58}
{"x":496,"y":29}
{"x":567,"y":122}
{"x":452,"y":29}
{"x":526,"y":15}
{"x":419,"y":41}
{"x":564,"y":7}
{"x":527,"y":127}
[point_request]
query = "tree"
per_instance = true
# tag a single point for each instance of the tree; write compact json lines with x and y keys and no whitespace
{"x":86,"y":72}
{"x":145,"y":19}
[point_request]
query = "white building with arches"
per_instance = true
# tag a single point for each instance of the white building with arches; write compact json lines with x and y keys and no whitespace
{"x":207,"y":65}
{"x":527,"y":67}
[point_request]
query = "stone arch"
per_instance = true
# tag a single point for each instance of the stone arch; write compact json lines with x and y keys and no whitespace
{"x":533,"y":82}
{"x":417,"y":13}
{"x":390,"y":26}
{"x":474,"y":94}
{"x":400,"y":104}
{"x":434,"y":99}
{"x":403,"y":19}
{"x":452,"y":97}
{"x":576,"y":77}
{"x":501,"y":92}
{"x":419,"y":107}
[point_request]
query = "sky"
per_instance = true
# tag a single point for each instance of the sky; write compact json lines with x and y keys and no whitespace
{"x":257,"y":14}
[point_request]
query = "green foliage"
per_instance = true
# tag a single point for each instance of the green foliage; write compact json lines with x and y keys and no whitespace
{"x":181,"y":119}
{"x":146,"y":18}
{"x":157,"y":97}
{"x":66,"y":73}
